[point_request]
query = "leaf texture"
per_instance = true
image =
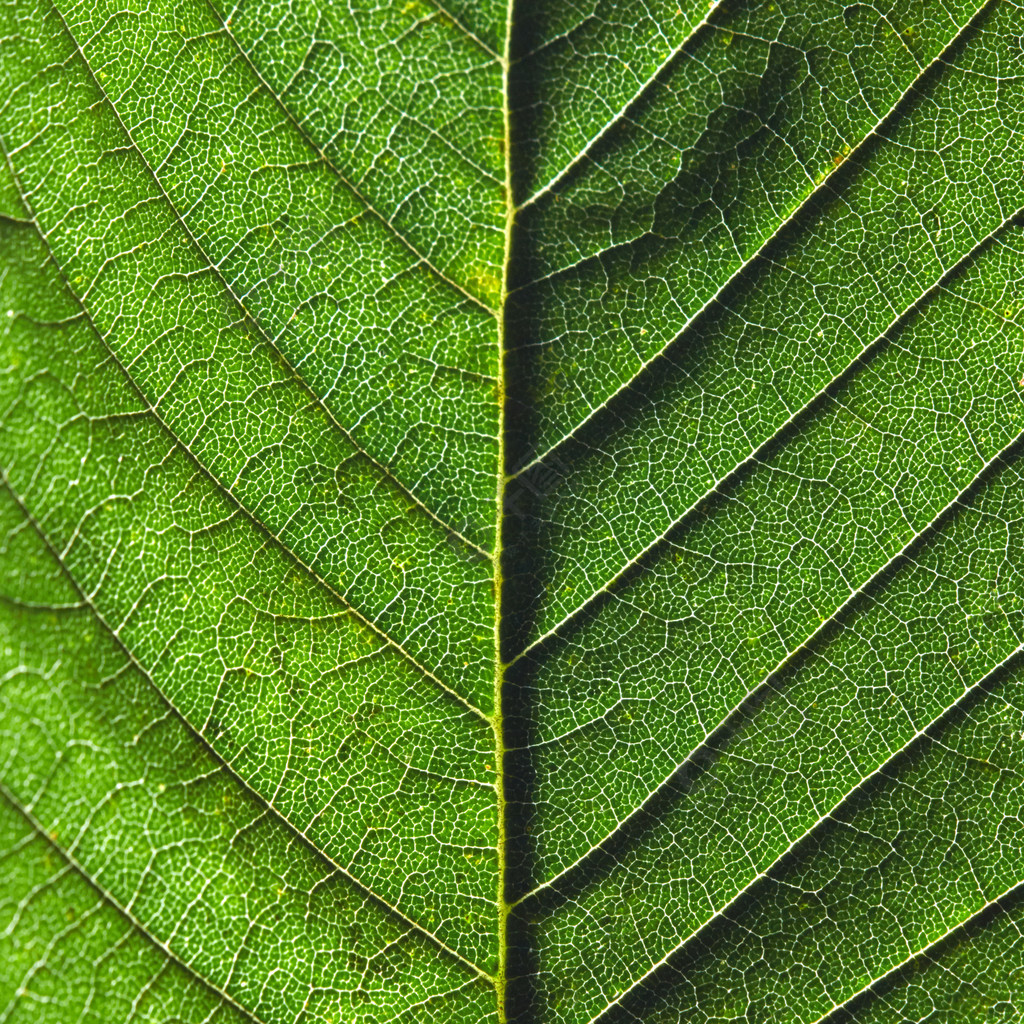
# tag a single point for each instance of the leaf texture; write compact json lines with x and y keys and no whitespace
{"x":511,"y":512}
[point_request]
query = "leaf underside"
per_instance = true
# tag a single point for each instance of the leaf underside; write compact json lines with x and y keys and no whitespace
{"x":512,"y":514}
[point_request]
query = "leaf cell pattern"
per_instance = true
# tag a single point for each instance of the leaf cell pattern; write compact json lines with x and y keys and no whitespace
{"x":511,"y":512}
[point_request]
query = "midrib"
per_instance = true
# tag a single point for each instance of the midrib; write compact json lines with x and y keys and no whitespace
{"x":503,"y":897}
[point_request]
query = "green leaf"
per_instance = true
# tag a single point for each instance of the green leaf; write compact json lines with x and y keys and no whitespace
{"x":512,"y":513}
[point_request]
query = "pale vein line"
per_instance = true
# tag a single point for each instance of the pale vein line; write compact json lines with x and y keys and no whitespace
{"x":447,"y":143}
{"x":225,"y":488}
{"x":754,"y":458}
{"x":434,"y":997}
{"x":343,"y":178}
{"x":743,"y":267}
{"x":924,"y":952}
{"x":879,"y":772}
{"x":996,"y":462}
{"x":216,"y":271}
{"x":243,"y":784}
{"x":466,"y":31}
{"x":109,"y":898}
{"x":611,"y":125}
{"x":386,"y":751}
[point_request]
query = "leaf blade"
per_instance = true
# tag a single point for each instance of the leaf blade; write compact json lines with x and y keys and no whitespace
{"x":711,"y":711}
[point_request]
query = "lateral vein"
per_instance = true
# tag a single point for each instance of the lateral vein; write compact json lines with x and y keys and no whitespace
{"x":226,"y":489}
{"x":466,"y":30}
{"x":340,"y":175}
{"x":237,"y":301}
{"x":1007,"y":896}
{"x":68,"y":857}
{"x":997,"y":462}
{"x":623,"y":113}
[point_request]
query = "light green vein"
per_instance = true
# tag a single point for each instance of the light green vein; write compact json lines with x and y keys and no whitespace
{"x":388,"y":222}
{"x":827,"y":623}
{"x":236,"y":299}
{"x":623,"y":113}
{"x":466,"y":31}
{"x":227,"y":490}
{"x":502,"y":895}
{"x":925,"y":952}
{"x":879,"y":772}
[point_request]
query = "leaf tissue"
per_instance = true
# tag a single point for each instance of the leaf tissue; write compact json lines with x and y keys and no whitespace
{"x":511,"y":512}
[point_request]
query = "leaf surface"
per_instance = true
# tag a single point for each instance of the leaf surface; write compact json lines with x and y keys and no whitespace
{"x":511,"y":513}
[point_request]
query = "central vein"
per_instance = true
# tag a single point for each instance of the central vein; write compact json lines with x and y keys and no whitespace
{"x":502,"y":895}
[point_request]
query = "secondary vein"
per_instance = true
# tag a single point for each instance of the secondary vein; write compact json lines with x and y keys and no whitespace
{"x":765,"y":446}
{"x":723,"y":912}
{"x":68,"y":857}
